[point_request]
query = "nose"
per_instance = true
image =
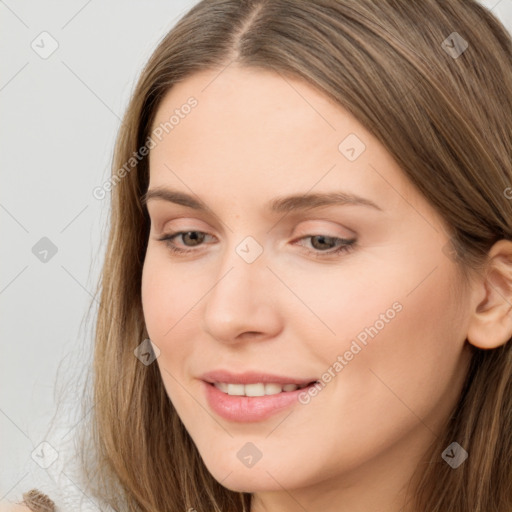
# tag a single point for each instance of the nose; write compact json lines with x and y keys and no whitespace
{"x":243,"y":303}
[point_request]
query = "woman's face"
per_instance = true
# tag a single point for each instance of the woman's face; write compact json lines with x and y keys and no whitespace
{"x":263,"y":292}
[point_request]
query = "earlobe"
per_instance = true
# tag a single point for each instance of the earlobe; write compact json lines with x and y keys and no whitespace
{"x":491,"y":320}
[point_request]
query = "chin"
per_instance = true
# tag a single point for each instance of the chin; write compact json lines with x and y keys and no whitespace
{"x":235,"y":477}
{"x":249,"y":483}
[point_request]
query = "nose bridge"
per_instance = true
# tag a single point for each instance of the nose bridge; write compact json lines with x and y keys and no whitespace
{"x":243,"y":266}
{"x":240,"y":299}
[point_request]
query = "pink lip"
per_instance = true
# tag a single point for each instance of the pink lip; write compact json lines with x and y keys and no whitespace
{"x":249,"y":408}
{"x":252,"y":378}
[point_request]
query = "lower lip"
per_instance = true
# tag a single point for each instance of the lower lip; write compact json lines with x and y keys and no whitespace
{"x":249,"y":408}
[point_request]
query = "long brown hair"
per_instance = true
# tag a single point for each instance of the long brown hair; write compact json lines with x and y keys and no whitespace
{"x":432,"y":81}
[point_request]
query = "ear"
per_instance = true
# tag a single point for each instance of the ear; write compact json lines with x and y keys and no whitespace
{"x":491,"y":320}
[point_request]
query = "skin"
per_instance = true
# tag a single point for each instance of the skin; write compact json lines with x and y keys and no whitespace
{"x":251,"y":138}
{"x":11,"y":507}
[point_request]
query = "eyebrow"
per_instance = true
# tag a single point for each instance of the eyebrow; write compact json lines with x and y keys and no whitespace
{"x":284,"y":204}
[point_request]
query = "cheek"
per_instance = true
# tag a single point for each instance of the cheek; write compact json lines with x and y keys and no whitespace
{"x":171,"y":306}
{"x":405,"y":377}
{"x":168,"y":295}
{"x":338,"y":306}
{"x":398,"y":315}
{"x":408,"y":366}
{"x":154,"y":292}
{"x":162,"y":302}
{"x":394,"y":343}
{"x":162,"y":310}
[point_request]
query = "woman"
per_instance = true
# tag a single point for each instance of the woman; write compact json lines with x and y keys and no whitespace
{"x":310,"y":257}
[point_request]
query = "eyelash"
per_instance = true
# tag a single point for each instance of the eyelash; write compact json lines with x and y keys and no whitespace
{"x":344,"y":247}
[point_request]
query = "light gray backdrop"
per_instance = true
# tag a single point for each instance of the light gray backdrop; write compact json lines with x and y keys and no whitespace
{"x":68,"y":69}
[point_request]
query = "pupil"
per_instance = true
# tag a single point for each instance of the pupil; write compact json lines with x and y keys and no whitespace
{"x":322,"y":241}
{"x":195,"y":236}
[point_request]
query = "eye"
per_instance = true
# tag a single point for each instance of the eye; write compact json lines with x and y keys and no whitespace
{"x":325,"y":246}
{"x":195,"y":238}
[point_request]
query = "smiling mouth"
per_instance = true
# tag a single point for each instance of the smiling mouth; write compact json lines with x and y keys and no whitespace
{"x":258,"y":389}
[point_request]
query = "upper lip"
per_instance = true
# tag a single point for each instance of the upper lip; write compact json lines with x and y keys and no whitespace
{"x":252,"y":377}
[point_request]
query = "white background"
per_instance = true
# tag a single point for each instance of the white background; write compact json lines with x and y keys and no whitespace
{"x":59,"y":118}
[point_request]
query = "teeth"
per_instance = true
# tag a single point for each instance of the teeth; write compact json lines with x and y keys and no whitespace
{"x":236,"y":389}
{"x":257,"y":389}
{"x":273,"y":389}
{"x":254,"y":389}
{"x":222,"y":386}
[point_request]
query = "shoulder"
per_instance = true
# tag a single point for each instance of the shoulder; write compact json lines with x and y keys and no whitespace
{"x":13,"y":507}
{"x":33,"y":500}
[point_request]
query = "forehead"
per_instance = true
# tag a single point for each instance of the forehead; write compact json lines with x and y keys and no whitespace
{"x":266,"y":134}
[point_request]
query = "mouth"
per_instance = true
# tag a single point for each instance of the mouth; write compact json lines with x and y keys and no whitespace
{"x":253,"y":400}
{"x":252,"y":396}
{"x":258,"y":388}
